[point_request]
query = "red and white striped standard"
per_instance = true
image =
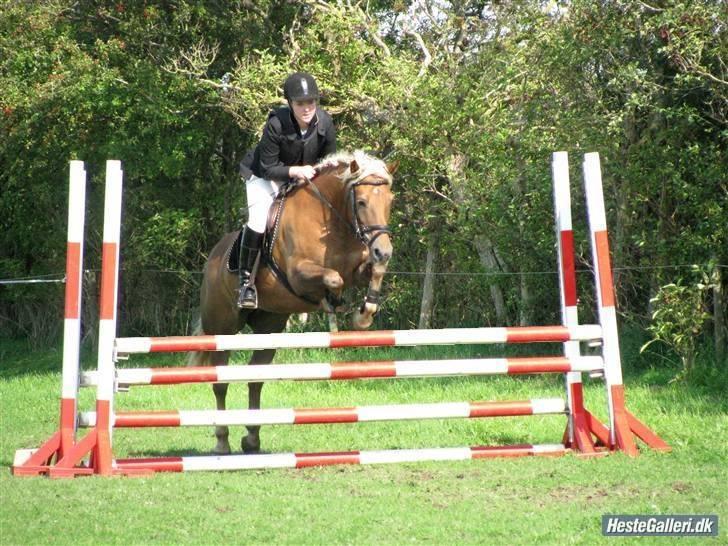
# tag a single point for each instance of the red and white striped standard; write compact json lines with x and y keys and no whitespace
{"x":333,"y":340}
{"x":350,"y":370}
{"x":72,"y":313}
{"x":304,"y":460}
{"x":620,"y":434}
{"x":107,"y":316}
{"x":578,"y":429}
{"x":321,"y":416}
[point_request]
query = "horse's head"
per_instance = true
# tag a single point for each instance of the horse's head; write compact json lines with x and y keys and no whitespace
{"x":364,"y":202}
{"x":369,"y":198}
{"x":368,"y":188}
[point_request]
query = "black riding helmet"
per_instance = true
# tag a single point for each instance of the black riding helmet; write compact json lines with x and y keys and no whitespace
{"x":300,"y":86}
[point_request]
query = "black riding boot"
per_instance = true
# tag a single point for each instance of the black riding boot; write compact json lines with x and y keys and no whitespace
{"x":250,"y":244}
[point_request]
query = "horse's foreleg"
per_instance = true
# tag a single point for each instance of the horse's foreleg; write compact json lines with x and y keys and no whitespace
{"x":364,"y":315}
{"x":251,"y":442}
{"x":363,"y":273}
{"x":328,"y":307}
{"x":309,"y":277}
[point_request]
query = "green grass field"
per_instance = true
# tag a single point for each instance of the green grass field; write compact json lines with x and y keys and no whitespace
{"x":496,"y":501}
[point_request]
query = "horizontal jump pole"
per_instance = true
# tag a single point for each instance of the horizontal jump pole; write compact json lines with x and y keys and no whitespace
{"x":311,"y":416}
{"x":382,"y":338}
{"x":350,"y":370}
{"x":304,"y":460}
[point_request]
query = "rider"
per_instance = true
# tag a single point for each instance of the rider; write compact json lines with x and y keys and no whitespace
{"x":295,"y":138}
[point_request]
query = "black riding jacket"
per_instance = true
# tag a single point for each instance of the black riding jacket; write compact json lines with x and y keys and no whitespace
{"x":282,"y":145}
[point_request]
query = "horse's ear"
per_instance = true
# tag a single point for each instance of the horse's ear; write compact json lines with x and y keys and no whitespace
{"x":353,"y":166}
{"x":393,"y":166}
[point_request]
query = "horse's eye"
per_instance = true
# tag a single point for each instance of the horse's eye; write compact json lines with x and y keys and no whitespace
{"x":361,"y":203}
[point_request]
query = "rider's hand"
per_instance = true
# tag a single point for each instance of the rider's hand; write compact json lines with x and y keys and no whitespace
{"x":302,"y":172}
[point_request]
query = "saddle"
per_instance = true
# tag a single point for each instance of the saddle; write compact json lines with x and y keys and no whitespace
{"x":275,"y":213}
{"x":274,"y":216}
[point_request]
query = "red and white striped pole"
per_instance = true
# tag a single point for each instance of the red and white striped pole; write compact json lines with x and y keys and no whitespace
{"x":620,"y":435}
{"x":337,"y":371}
{"x":304,"y":460}
{"x":97,"y":442}
{"x":72,"y":314}
{"x":321,"y":416}
{"x":102,"y":455}
{"x":336,"y":340}
{"x":578,"y":432}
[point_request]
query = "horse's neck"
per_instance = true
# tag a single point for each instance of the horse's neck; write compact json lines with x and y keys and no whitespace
{"x":332,"y":188}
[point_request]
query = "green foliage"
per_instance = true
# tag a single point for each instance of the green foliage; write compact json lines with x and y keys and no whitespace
{"x":678,"y":321}
{"x":94,"y":80}
{"x":471,"y":97}
{"x":166,"y":238}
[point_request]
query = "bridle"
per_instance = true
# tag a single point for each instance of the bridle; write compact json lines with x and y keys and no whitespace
{"x":366,"y":234}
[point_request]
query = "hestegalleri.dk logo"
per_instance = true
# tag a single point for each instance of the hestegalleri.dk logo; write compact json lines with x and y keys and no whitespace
{"x":676,"y":525}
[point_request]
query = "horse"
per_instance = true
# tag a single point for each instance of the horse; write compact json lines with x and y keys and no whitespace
{"x":331,"y":234}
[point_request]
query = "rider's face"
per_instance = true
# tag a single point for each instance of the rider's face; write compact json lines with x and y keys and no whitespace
{"x":304,"y":110}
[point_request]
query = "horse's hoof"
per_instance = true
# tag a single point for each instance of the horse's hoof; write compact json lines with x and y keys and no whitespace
{"x":361,"y":325}
{"x":249,"y":445}
{"x":362,"y":321}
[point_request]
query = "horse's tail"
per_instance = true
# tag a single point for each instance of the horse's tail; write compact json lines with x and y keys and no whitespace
{"x":199,"y":358}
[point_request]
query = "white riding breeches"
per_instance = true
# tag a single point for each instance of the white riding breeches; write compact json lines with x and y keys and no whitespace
{"x":260,"y":193}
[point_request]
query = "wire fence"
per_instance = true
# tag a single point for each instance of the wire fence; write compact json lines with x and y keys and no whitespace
{"x":60,"y":278}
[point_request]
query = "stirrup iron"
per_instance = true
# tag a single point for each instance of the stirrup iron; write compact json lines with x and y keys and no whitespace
{"x":248,"y":297}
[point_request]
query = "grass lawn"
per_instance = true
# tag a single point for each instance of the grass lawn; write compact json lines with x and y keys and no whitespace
{"x":495,"y":501}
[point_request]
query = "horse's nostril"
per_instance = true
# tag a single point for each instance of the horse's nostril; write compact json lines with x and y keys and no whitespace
{"x":381,"y":256}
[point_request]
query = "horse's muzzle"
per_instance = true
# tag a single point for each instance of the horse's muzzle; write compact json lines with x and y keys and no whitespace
{"x":381,"y":249}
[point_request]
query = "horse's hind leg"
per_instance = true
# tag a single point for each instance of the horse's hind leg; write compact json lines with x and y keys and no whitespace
{"x":251,"y":442}
{"x":262,"y":323}
{"x":220,"y":389}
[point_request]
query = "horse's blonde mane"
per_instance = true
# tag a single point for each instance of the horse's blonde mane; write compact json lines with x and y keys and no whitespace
{"x":368,"y":166}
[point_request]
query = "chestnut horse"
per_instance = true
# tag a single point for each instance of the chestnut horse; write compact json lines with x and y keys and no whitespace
{"x":332,"y":234}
